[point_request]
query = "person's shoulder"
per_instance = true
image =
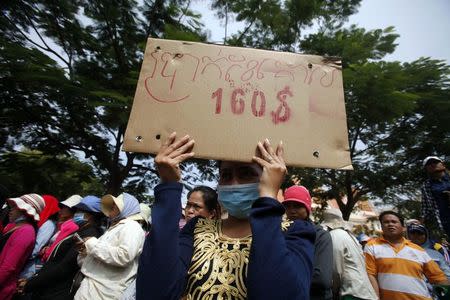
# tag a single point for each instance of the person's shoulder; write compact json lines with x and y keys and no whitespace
{"x":24,"y":232}
{"x":298,"y":225}
{"x":26,"y":228}
{"x":321,"y":232}
{"x":130,"y":226}
{"x":204,"y":224}
{"x":414,"y":246}
{"x":48,"y":224}
{"x":376,"y":241}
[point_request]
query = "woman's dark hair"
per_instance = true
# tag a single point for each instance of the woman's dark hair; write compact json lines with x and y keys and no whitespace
{"x":391,"y":212}
{"x":209,"y":198}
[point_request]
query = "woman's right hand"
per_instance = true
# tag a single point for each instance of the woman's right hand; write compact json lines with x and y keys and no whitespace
{"x":171,"y":154}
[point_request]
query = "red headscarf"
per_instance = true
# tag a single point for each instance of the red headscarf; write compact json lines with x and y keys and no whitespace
{"x":51,"y":208}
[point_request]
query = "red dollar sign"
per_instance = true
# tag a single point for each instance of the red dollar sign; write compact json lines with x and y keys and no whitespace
{"x":276,"y":115}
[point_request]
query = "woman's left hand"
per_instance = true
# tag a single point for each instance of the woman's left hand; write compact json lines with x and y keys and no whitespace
{"x":274,"y":168}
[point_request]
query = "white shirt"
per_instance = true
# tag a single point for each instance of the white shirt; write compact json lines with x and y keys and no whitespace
{"x":349,"y":267}
{"x":111,"y":262}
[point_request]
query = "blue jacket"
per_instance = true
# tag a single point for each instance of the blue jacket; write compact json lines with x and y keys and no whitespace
{"x":280,"y":264}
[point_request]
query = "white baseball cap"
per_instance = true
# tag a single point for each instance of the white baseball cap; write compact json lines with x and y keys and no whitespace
{"x":427,"y":159}
{"x":72,"y":201}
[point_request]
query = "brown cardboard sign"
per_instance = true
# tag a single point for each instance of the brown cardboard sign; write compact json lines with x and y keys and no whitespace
{"x":229,"y":98}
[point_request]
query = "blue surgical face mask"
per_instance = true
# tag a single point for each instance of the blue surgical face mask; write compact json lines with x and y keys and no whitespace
{"x":79,"y":219}
{"x":238,"y":199}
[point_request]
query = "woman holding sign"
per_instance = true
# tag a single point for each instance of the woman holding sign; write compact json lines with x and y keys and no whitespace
{"x":250,"y":255}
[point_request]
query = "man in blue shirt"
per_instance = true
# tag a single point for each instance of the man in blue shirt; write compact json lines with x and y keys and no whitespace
{"x":436,"y":194}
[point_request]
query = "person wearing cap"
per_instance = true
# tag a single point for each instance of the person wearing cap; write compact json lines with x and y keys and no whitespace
{"x":436,"y":194}
{"x":439,"y":247}
{"x":47,"y":227}
{"x":350,"y":280}
{"x":17,"y":240}
{"x":418,"y":234}
{"x":297,"y":203}
{"x":111,"y":261}
{"x":67,"y":208}
{"x":253,"y":254}
{"x":54,"y":281}
{"x":397,"y":267}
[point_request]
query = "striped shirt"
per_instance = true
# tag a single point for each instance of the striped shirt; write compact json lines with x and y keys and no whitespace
{"x":401,"y":270}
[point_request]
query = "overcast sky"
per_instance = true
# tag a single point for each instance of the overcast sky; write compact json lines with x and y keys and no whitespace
{"x":424,"y":26}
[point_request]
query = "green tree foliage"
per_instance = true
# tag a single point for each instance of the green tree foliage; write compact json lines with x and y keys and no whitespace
{"x":34,"y":172}
{"x":275,"y":24}
{"x":72,"y":66}
{"x":393,"y":118}
{"x":69,"y":70}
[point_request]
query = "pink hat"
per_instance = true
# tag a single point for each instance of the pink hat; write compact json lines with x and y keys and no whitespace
{"x":30,"y":204}
{"x":300,"y":194}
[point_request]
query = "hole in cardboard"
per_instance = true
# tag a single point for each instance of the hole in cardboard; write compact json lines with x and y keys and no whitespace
{"x":139,"y":139}
{"x":316,"y":154}
{"x":158,"y":136}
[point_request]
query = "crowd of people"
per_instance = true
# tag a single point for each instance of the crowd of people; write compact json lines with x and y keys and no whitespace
{"x":111,"y":248}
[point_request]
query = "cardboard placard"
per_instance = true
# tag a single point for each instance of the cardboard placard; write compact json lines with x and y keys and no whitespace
{"x":229,"y":98}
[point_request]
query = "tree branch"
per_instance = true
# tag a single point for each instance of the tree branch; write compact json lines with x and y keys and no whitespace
{"x":245,"y":30}
{"x":45,"y":43}
{"x":184,"y":11}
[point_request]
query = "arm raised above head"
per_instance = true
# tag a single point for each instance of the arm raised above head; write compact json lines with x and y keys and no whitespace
{"x":171,"y":154}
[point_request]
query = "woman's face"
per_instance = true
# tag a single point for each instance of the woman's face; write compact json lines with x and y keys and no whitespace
{"x":295,"y":210}
{"x":232,"y":173}
{"x":14,"y":213}
{"x":195,"y":206}
{"x":64,"y":214}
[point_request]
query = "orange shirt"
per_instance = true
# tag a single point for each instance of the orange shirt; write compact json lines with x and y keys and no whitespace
{"x":400,"y":270}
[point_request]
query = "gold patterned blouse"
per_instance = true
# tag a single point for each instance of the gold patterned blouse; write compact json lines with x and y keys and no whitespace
{"x":219,"y":264}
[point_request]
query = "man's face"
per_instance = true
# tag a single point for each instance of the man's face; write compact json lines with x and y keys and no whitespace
{"x":232,"y":173}
{"x":295,"y":210}
{"x":435,"y":169}
{"x":391,"y":226}
{"x":417,"y":237}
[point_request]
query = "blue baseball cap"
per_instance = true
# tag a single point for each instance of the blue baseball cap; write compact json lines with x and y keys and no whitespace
{"x":90,"y":204}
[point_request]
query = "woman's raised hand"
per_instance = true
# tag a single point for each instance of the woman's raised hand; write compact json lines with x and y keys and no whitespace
{"x":171,"y":154}
{"x":274,"y":168}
